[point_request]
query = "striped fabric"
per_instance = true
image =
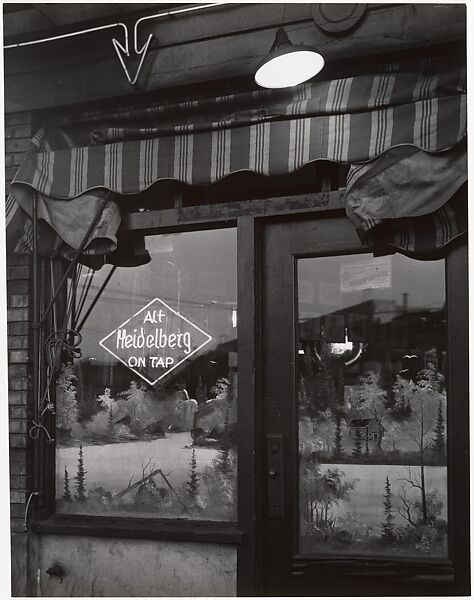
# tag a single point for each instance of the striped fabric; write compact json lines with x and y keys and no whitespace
{"x":423,"y":236}
{"x":266,"y":147}
{"x":271,"y":132}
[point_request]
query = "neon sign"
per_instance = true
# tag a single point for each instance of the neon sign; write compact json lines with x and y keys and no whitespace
{"x":155,"y":341}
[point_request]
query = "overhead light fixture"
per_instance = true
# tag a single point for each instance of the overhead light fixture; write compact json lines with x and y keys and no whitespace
{"x":288,"y":65}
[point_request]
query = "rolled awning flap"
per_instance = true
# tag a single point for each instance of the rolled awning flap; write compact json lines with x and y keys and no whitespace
{"x":415,"y":110}
{"x":422,"y":236}
{"x":403,"y":182}
{"x":62,"y":224}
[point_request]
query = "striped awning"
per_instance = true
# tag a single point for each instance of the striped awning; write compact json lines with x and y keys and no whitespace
{"x":351,"y":120}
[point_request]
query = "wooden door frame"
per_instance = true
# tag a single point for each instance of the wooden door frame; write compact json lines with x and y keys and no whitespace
{"x":451,"y":577}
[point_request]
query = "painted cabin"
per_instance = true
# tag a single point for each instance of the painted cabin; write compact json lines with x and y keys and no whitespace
{"x":369,"y":428}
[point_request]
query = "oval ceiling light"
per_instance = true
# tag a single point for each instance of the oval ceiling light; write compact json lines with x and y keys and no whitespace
{"x":288,"y":65}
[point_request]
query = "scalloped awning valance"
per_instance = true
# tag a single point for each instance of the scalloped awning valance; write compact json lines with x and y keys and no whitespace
{"x":419,"y":107}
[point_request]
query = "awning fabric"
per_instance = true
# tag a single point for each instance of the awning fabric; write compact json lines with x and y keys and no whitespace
{"x":416,"y":110}
{"x":423,"y":236}
{"x":413,"y":198}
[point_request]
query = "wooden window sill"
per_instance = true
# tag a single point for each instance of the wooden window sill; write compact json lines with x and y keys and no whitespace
{"x":149,"y":529}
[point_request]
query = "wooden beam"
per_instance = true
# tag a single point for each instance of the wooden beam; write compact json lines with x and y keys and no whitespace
{"x":229,"y":211}
{"x":171,"y":31}
{"x":216,"y":47}
{"x":136,"y":528}
{"x":24,"y":22}
{"x":45,"y":10}
{"x":68,"y":16}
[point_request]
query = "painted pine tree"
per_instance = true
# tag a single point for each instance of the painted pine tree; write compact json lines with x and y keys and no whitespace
{"x":67,"y":409}
{"x":80,"y":478}
{"x":230,"y":388}
{"x":387,"y":380}
{"x":338,"y":451}
{"x":388,"y":530}
{"x":192,"y":485}
{"x":223,"y":461}
{"x":226,"y":421}
{"x":201,"y":392}
{"x":110,"y":423}
{"x":323,"y":390}
{"x":439,"y":443}
{"x":67,"y":492}
{"x":302,"y":394}
{"x":357,"y":450}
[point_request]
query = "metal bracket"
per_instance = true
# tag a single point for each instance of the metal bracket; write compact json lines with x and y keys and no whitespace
{"x":275,"y":477}
{"x":25,"y":520}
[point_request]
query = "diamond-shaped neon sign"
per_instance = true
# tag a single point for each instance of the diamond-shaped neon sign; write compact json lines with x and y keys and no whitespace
{"x":155,"y":341}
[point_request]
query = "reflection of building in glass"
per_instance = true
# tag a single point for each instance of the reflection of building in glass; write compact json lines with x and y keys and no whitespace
{"x":408,"y":339}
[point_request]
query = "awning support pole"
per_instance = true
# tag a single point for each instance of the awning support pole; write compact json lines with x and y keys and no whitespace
{"x":97,"y":296}
{"x":37,"y":324}
{"x":36,"y":342}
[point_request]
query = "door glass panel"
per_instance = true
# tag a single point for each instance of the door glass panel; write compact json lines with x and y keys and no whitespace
{"x":371,"y":390}
{"x":146,"y":417}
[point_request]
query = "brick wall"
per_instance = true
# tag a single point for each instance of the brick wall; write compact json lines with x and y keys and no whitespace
{"x":18,"y":131}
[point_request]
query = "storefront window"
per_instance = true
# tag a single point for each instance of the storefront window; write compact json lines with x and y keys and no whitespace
{"x":146,"y":418}
{"x":372,"y":406}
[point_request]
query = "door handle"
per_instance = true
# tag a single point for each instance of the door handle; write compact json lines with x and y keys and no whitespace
{"x":275,"y":476}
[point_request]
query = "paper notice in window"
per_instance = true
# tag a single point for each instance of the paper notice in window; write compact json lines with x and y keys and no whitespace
{"x":367,"y":274}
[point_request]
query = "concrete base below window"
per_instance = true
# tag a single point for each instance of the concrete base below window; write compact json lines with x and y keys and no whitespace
{"x":118,"y":567}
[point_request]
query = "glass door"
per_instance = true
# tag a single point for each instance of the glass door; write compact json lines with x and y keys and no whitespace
{"x":356,"y":415}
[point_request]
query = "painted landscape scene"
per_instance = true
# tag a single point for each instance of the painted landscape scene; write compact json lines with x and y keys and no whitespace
{"x":373,"y":469}
{"x":154,"y":441}
{"x":147,"y":453}
{"x":372,"y":406}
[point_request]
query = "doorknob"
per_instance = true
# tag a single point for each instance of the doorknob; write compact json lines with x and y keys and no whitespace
{"x":275,"y":476}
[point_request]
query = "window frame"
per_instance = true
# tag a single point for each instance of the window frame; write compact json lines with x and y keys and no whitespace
{"x":49,"y":521}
